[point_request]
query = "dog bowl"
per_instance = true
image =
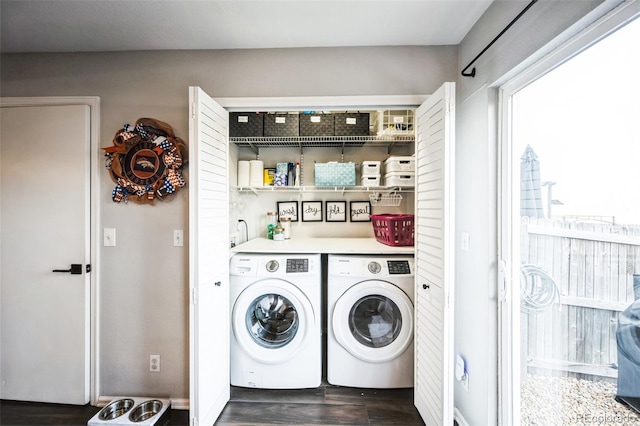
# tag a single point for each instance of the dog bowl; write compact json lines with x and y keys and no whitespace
{"x":145,"y":410}
{"x":115,"y":409}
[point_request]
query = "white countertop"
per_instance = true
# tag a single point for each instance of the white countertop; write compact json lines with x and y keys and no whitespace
{"x":320,"y":245}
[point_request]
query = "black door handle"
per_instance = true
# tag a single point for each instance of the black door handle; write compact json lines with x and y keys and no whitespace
{"x":76,"y":269}
{"x":425,"y":286}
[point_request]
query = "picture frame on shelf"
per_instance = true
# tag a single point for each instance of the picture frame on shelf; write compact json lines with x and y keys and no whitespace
{"x":360,"y":211}
{"x":288,"y":209}
{"x":335,"y":211}
{"x":312,"y":211}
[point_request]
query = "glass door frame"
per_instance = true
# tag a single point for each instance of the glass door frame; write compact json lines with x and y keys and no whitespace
{"x":598,"y":25}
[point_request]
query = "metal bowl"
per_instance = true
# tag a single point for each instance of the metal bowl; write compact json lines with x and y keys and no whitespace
{"x":145,"y":410}
{"x":115,"y":409}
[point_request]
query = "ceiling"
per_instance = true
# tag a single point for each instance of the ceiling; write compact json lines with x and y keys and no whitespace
{"x":116,"y":25}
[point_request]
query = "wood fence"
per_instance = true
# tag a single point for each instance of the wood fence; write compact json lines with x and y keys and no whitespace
{"x":592,"y":265}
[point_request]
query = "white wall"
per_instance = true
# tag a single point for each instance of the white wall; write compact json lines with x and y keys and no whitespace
{"x":144,"y":282}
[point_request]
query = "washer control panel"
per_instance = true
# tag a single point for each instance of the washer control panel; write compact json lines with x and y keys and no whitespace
{"x":398,"y":267}
{"x":297,"y":265}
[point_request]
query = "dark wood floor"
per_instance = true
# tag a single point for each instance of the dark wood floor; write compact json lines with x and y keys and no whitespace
{"x":326,"y":405}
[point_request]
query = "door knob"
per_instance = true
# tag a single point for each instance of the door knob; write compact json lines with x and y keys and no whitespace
{"x":217,"y":283}
{"x":425,"y":286}
{"x":76,"y":269}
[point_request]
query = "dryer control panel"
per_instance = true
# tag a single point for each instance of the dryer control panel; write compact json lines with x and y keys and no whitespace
{"x":371,"y":266}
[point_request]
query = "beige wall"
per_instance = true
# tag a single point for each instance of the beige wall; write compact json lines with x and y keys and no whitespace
{"x":144,"y":280}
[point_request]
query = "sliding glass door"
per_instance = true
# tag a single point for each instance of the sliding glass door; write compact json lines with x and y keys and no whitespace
{"x":570,"y":242}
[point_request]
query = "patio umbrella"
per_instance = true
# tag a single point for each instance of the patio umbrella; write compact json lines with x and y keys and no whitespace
{"x":530,"y":192}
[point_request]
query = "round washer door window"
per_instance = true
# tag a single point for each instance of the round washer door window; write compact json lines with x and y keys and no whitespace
{"x":272,"y":320}
{"x":373,"y":321}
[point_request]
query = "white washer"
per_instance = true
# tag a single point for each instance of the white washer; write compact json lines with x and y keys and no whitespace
{"x":370,"y":321}
{"x":276,"y":339}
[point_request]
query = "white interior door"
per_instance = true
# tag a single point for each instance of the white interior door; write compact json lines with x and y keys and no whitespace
{"x":45,"y":226}
{"x":208,"y":258}
{"x":435,"y":257}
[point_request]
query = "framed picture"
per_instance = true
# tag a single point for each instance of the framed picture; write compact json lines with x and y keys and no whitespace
{"x":360,"y":211}
{"x":336,"y":211}
{"x":288,"y":209}
{"x":312,"y":211}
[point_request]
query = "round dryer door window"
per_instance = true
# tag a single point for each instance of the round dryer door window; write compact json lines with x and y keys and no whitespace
{"x":272,"y":320}
{"x":373,"y":320}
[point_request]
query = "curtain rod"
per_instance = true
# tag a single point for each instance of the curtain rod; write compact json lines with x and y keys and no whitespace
{"x":472,"y":73}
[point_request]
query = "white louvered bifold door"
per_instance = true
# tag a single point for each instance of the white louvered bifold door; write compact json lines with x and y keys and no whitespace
{"x":208,"y":258}
{"x":434,"y":243}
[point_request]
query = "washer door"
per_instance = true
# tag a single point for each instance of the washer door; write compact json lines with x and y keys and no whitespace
{"x":272,"y":320}
{"x":373,"y":321}
{"x":628,"y":333}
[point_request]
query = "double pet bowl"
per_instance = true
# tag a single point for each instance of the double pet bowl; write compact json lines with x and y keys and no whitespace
{"x":133,"y":411}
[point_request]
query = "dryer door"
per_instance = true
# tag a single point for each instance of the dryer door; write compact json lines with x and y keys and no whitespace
{"x":272,"y":319}
{"x":373,"y":321}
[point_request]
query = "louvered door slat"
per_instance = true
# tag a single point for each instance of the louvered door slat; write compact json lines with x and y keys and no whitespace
{"x":434,"y":258}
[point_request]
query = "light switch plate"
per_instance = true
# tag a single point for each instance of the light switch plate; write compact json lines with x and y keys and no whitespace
{"x":178,"y":238}
{"x":109,"y":237}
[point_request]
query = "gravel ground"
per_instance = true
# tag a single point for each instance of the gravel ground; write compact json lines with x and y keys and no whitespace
{"x":551,"y":401}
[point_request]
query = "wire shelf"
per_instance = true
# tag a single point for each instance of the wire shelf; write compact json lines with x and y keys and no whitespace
{"x":320,"y":141}
{"x":378,"y":199}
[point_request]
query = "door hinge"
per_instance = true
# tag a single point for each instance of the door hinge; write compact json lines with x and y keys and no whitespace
{"x":193,"y":110}
{"x":194,"y":296}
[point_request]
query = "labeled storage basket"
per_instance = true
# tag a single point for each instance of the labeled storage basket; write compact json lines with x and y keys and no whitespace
{"x":281,"y":125}
{"x":351,"y":124}
{"x":317,"y":125}
{"x":393,"y":229}
{"x":246,"y":124}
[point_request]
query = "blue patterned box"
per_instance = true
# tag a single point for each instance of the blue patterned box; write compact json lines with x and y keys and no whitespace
{"x":280,"y":178}
{"x":335,"y":174}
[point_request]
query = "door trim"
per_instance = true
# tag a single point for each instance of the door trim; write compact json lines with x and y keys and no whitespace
{"x":93,"y":102}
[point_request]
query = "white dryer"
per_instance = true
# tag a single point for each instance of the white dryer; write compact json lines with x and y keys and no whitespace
{"x":370,"y":321}
{"x":276,"y":339}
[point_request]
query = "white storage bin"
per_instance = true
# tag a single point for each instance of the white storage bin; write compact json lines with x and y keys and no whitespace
{"x":370,"y":168}
{"x":370,"y":180}
{"x":400,"y":164}
{"x":400,"y":179}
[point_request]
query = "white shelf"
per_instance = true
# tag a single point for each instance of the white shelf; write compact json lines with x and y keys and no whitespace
{"x":341,"y":189}
{"x":300,"y":142}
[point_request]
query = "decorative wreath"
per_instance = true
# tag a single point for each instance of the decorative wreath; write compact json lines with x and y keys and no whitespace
{"x":146,"y":160}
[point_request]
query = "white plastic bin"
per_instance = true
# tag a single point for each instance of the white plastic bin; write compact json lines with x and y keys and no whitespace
{"x":370,"y":168}
{"x":370,"y":180}
{"x":400,"y":179}
{"x":400,"y":164}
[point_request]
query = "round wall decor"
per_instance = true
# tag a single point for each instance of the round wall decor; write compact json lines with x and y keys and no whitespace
{"x":146,"y":162}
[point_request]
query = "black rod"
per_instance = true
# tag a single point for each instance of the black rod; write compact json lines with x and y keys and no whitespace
{"x":472,"y":73}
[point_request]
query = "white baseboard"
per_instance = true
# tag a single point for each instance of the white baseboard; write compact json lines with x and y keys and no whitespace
{"x":459,"y":418}
{"x":176,"y":403}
